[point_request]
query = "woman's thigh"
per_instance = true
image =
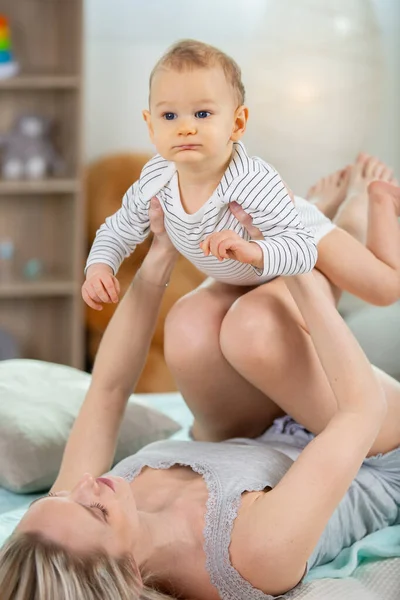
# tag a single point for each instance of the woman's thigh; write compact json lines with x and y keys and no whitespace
{"x":223,"y":403}
{"x":265,"y":339}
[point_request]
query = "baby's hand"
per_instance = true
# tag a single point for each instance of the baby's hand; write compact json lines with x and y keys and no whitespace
{"x":100,"y":287}
{"x":229,"y":244}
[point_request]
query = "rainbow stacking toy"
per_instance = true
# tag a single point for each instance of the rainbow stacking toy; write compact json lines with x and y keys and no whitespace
{"x":8,"y":66}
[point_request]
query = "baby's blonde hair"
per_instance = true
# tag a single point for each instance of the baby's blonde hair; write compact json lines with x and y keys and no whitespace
{"x":190,"y":54}
{"x":35,"y":568}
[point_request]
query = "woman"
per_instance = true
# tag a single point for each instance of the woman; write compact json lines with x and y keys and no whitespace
{"x":237,"y":520}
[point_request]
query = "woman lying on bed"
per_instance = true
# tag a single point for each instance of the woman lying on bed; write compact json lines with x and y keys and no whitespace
{"x":237,"y":520}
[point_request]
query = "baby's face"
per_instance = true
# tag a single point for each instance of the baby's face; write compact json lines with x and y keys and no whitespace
{"x":194,"y":116}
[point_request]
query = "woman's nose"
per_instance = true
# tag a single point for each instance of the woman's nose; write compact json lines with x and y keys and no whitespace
{"x":87,"y":485}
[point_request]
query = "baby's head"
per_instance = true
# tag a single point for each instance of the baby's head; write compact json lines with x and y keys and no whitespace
{"x":196,"y":104}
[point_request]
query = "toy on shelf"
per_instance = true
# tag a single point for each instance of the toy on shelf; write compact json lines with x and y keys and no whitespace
{"x":8,"y":66}
{"x":28,"y":152}
{"x":7,"y":255}
{"x":33,"y":269}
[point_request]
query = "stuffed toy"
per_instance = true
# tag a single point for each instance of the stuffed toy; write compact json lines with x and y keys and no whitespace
{"x":106,"y":182}
{"x":8,"y":66}
{"x":28,"y":152}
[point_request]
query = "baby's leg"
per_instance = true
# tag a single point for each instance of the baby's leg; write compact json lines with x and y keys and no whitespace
{"x":372,"y":272}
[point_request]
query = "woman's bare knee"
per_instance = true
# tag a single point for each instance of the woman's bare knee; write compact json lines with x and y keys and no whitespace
{"x":193,"y":324}
{"x":251,"y":332}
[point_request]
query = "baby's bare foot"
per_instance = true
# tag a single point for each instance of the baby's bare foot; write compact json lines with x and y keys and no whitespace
{"x":383,"y":190}
{"x":329,"y":192}
{"x":353,"y":213}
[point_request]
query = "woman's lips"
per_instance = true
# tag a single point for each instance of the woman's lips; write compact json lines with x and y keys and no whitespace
{"x":107,"y":481}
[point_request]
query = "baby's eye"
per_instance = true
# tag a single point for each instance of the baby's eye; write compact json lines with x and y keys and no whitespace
{"x":202,"y":114}
{"x":169,"y":116}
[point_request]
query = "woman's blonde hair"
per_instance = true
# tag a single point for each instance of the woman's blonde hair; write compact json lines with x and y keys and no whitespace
{"x":35,"y":568}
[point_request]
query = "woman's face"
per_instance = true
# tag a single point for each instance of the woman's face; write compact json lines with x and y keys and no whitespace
{"x":97,"y":514}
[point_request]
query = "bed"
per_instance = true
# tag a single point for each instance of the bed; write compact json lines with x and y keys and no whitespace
{"x":370,"y":570}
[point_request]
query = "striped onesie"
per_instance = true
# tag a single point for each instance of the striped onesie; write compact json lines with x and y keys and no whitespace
{"x":290,"y":231}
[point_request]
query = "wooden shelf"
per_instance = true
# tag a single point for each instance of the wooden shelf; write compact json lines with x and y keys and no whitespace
{"x":44,"y":186}
{"x":39,"y":288}
{"x":40,"y":82}
{"x":44,"y":219}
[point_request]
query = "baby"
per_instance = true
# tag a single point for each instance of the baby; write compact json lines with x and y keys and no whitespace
{"x":196,"y":119}
{"x":200,"y":175}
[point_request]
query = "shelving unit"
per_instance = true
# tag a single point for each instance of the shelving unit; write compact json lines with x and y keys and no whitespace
{"x":44,"y":218}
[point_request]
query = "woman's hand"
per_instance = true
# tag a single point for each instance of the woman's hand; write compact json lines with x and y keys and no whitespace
{"x":245,"y":220}
{"x":160,"y":260}
{"x":161,"y":238}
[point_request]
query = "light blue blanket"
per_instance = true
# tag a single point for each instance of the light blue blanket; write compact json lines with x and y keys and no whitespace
{"x":381,"y":544}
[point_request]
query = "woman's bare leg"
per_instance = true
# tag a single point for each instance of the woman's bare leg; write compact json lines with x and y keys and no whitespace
{"x":223,"y":403}
{"x":330,"y":192}
{"x":272,"y":349}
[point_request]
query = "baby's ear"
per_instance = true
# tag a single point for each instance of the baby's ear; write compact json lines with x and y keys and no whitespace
{"x":147,"y":117}
{"x":240,"y":123}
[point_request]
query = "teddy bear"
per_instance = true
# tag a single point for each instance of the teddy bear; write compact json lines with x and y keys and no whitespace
{"x":28,"y":152}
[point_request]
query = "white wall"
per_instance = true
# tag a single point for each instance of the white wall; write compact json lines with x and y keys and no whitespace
{"x":124,"y":38}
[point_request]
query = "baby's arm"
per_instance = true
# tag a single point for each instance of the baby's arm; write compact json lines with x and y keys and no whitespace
{"x":116,"y":239}
{"x":119,"y":235}
{"x":288,"y":248}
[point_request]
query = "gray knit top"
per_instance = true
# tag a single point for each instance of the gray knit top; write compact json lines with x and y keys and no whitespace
{"x":232,"y":468}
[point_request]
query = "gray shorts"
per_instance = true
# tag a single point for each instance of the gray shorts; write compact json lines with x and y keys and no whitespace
{"x":291,"y":438}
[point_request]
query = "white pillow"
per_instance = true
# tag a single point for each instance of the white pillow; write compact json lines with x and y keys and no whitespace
{"x":39,"y":402}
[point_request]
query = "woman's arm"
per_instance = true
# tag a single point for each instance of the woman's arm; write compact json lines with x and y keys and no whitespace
{"x":286,"y":523}
{"x":118,"y":365}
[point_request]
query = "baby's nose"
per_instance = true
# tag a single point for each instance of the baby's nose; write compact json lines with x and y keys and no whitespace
{"x":187,"y":126}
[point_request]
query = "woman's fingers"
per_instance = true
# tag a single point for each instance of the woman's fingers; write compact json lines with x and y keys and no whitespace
{"x":246,"y":220}
{"x":156,"y":216}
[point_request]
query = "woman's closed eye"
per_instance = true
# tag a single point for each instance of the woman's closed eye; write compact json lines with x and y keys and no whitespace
{"x":102,"y":509}
{"x":96,"y":505}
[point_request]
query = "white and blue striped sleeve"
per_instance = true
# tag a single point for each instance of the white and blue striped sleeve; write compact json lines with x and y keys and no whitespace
{"x":288,"y":247}
{"x":119,"y":235}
